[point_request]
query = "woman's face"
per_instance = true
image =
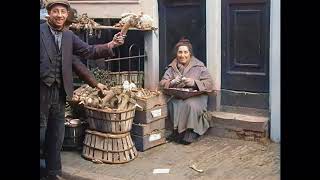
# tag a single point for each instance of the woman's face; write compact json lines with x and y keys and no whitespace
{"x":183,"y":55}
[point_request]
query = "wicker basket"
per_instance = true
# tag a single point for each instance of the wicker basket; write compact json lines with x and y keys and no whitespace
{"x":108,"y":148}
{"x":115,"y":122}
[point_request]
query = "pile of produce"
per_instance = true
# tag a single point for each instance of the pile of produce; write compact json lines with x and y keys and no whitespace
{"x":116,"y":98}
{"x":144,"y":93}
{"x":141,"y":21}
{"x":85,"y":23}
{"x":112,"y":99}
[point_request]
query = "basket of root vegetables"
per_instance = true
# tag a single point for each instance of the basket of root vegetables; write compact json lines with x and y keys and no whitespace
{"x":110,"y":111}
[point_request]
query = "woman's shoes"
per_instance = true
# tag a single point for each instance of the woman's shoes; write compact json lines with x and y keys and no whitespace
{"x":172,"y":136}
{"x":184,"y":142}
{"x":189,"y":137}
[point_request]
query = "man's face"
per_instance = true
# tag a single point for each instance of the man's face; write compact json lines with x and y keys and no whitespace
{"x":58,"y":15}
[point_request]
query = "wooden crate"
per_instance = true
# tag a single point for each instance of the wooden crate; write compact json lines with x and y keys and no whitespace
{"x":131,"y":76}
{"x":143,"y":143}
{"x":108,"y":148}
{"x":145,"y":129}
{"x":150,"y":115}
{"x":151,"y":102}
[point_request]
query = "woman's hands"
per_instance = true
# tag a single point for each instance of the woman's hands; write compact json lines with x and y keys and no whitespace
{"x":177,"y":80}
{"x":189,"y":82}
{"x":181,"y":82}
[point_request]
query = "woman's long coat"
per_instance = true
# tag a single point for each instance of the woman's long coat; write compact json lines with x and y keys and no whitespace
{"x":188,"y":113}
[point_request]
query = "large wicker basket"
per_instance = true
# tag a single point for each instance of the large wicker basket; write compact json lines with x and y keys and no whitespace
{"x":115,"y":122}
{"x":108,"y":148}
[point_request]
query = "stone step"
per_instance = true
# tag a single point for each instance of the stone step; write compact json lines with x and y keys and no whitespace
{"x":245,"y":110}
{"x":238,"y":126}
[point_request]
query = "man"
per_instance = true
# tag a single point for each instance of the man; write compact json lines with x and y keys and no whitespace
{"x":57,"y":47}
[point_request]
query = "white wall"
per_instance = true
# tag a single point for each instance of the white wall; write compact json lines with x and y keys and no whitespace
{"x":151,"y":45}
{"x":275,"y":62}
{"x":112,"y":9}
{"x":213,"y":24}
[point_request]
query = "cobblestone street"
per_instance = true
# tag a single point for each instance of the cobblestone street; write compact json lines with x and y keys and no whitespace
{"x":219,"y":158}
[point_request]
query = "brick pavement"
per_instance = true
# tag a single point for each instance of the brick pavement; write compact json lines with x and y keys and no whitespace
{"x":220,"y":158}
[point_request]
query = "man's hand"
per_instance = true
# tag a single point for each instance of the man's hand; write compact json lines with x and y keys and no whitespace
{"x":189,"y":82}
{"x":118,"y":39}
{"x":102,"y":87}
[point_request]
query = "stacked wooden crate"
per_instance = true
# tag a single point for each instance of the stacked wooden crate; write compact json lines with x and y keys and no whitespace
{"x":148,"y":128}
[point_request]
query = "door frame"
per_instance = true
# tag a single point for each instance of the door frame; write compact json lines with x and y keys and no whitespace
{"x":164,"y":52}
{"x":213,"y":20}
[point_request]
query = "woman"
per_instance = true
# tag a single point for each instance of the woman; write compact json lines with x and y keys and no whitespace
{"x":186,"y":71}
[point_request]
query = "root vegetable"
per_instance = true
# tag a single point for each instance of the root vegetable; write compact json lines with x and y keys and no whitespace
{"x":107,"y":97}
{"x":124,"y":102}
{"x":113,"y":102}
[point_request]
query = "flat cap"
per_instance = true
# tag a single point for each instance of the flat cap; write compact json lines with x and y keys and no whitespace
{"x":50,"y":3}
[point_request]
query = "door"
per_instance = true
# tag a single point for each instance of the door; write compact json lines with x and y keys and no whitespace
{"x":245,"y":45}
{"x":177,"y":19}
